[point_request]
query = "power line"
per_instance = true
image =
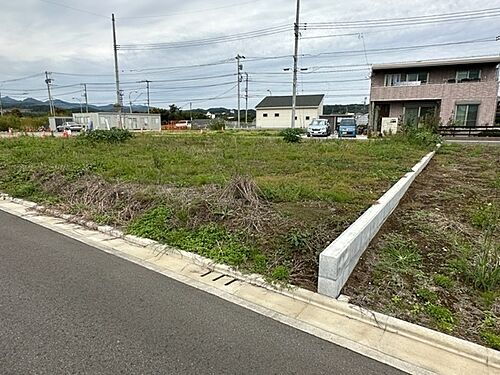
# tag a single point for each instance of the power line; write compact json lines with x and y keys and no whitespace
{"x":315,"y":82}
{"x":37,"y":75}
{"x":73,"y":8}
{"x":189,"y":12}
{"x":400,"y":48}
{"x":406,"y":21}
{"x":207,"y":41}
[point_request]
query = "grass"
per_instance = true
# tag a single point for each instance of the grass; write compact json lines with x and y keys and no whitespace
{"x":436,"y":262}
{"x":248,"y":199}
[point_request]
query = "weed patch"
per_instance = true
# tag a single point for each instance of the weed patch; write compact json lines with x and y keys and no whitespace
{"x":442,"y":317}
{"x":244,"y":198}
{"x":400,"y":255}
{"x":436,"y":260}
{"x":107,"y":136}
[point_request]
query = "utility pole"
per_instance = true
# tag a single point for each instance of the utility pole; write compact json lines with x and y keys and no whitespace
{"x":147,"y":82}
{"x":48,"y":81}
{"x":147,"y":89}
{"x":1,"y":105}
{"x":86,"y":97}
{"x":191,"y":112}
{"x":246,"y":99}
{"x":295,"y":63}
{"x":119,"y":99}
{"x":239,"y":68}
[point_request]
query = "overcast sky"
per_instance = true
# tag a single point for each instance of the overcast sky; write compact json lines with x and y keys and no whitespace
{"x":76,"y":45}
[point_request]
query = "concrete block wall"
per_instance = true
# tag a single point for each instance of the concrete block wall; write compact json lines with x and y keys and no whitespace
{"x":338,"y":260}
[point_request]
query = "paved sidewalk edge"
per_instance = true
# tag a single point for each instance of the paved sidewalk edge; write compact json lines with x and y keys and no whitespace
{"x":487,"y":358}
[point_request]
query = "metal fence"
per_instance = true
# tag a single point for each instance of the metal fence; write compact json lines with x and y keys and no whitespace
{"x":470,"y":131}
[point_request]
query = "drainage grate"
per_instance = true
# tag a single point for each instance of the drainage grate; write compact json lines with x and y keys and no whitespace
{"x":218,"y":278}
{"x":230,"y":282}
{"x":206,"y":274}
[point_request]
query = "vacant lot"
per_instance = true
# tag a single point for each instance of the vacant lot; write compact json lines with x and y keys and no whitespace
{"x":436,"y":262}
{"x":250,"y":201}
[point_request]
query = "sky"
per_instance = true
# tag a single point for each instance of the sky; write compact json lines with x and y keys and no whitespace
{"x":72,"y":39}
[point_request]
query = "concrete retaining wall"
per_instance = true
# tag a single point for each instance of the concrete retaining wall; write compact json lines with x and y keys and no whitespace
{"x":338,"y":260}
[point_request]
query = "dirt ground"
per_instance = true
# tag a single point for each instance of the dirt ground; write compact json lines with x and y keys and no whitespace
{"x":436,"y":261}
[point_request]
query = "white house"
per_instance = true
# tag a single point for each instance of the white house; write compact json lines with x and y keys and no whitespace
{"x":131,"y":121}
{"x":276,"y":111}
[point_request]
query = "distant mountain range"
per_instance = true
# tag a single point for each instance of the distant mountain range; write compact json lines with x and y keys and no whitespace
{"x":35,"y":105}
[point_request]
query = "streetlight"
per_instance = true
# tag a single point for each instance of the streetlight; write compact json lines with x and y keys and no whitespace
{"x":80,"y":101}
{"x":130,"y":98}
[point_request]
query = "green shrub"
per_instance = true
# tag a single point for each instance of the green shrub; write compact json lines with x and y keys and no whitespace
{"x":292,"y":135}
{"x":443,"y":281}
{"x":281,"y":273}
{"x":486,"y":217}
{"x":427,"y":295}
{"x":478,"y":265}
{"x":212,"y":241}
{"x":23,"y":123}
{"x":109,"y":136}
{"x":442,"y":316}
{"x":424,"y":133}
{"x":217,"y":124}
{"x":492,"y":339}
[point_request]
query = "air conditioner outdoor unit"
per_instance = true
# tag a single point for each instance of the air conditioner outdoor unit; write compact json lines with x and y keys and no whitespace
{"x":389,"y":125}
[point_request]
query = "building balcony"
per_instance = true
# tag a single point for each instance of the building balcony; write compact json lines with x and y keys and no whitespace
{"x":434,"y":91}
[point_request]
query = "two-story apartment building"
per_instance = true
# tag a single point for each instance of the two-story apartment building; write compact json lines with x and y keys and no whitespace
{"x":462,"y":92}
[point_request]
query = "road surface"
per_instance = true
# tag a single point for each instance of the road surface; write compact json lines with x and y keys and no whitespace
{"x":66,"y":308}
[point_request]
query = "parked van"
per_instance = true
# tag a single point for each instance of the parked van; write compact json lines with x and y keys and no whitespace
{"x":347,"y":128}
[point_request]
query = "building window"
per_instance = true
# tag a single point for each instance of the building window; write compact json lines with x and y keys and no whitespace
{"x":392,"y":79}
{"x":468,"y":75}
{"x":421,"y":77}
{"x":402,"y":80}
{"x":276,"y":115}
{"x":264,"y":115}
{"x":308,"y":118}
{"x":415,"y":113}
{"x":466,"y":114}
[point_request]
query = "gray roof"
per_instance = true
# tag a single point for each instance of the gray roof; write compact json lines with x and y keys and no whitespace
{"x":438,"y":62}
{"x":286,"y":101}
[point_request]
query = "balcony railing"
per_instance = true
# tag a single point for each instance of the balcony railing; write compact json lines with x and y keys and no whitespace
{"x":433,"y":91}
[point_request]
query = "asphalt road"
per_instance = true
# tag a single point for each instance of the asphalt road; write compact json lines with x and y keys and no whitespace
{"x":68,"y":308}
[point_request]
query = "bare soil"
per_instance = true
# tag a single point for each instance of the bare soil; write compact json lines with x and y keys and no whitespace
{"x":422,"y":265}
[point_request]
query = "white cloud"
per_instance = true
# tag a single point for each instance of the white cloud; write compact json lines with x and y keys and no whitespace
{"x":37,"y":36}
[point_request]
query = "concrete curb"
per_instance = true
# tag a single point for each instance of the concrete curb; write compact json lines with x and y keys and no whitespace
{"x":339,"y":259}
{"x":404,"y":345}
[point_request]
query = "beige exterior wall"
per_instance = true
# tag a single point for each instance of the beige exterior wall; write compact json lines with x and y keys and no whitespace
{"x":484,"y":93}
{"x":304,"y":117}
